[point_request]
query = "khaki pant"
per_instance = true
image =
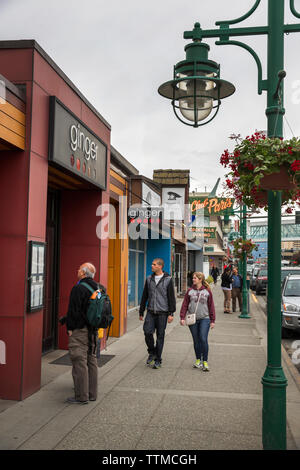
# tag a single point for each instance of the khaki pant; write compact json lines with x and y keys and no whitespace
{"x":227,"y":300}
{"x":236,"y":294}
{"x":85,"y":367}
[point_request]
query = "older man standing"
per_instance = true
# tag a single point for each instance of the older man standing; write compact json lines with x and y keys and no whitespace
{"x":237,"y":285}
{"x":82,"y":344}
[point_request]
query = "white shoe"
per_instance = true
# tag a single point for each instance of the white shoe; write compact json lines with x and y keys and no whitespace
{"x":198,"y":364}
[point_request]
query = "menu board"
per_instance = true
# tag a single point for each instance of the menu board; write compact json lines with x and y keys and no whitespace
{"x":36,"y":276}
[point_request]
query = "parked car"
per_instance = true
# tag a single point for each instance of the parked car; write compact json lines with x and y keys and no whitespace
{"x":286,"y":270}
{"x":255,"y":270}
{"x":290,"y":304}
{"x":261,"y":280}
{"x":249,"y":268}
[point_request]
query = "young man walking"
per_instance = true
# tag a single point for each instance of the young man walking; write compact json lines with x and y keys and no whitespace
{"x":160,"y":298}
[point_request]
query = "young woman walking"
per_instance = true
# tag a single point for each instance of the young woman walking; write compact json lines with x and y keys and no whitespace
{"x":226,"y":286}
{"x":198,"y":299}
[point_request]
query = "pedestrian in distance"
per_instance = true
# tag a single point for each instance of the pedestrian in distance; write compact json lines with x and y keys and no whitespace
{"x":159,"y":297}
{"x":226,"y":286}
{"x":83,"y":338}
{"x":237,"y":285}
{"x":214,"y":273}
{"x":199,"y":299}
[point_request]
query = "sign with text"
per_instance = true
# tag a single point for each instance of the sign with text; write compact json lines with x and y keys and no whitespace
{"x":204,"y":232}
{"x":212,"y":205}
{"x":75,"y":147}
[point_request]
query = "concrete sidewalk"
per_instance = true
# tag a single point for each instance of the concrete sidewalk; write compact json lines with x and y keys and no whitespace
{"x":175,"y":407}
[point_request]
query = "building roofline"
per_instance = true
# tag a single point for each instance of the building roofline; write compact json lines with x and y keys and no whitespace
{"x":14,"y":89}
{"x":32,"y":44}
{"x":147,"y":180}
{"x":125,"y":165}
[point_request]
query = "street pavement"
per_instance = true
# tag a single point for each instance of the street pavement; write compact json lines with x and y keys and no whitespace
{"x":175,"y":407}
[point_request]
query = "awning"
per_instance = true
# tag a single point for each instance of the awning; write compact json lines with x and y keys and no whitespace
{"x":194,"y":246}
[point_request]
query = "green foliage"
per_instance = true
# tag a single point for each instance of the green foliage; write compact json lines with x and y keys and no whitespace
{"x":241,"y":246}
{"x":255,"y":157}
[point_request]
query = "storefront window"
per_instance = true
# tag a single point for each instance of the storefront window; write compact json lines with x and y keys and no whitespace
{"x":137,"y":272}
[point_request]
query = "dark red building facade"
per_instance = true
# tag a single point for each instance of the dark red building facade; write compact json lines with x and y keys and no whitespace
{"x":50,"y":188}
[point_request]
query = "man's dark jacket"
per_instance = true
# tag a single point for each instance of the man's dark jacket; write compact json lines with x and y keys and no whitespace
{"x":78,"y":303}
{"x":160,"y":298}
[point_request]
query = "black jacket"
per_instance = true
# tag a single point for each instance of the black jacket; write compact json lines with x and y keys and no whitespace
{"x":161,"y":297}
{"x":78,"y":303}
{"x":226,"y":280}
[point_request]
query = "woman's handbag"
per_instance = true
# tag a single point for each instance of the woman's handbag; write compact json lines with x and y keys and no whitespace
{"x":190,"y":318}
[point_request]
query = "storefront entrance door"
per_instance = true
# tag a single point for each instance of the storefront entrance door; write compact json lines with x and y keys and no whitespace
{"x":178,"y":272}
{"x":52,"y":260}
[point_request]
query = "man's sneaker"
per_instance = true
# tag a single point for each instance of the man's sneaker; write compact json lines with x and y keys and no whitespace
{"x":157,"y":364}
{"x":150,"y":360}
{"x":205,"y":367}
{"x":198,"y":364}
{"x":73,"y":401}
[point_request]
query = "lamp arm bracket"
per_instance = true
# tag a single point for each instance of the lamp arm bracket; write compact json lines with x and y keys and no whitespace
{"x":293,"y":9}
{"x":242,"y":18}
{"x":262,"y":84}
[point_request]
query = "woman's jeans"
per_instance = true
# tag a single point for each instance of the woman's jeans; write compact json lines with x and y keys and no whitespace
{"x":200,"y":338}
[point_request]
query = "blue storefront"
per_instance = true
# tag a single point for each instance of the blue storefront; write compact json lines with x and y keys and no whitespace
{"x":146,"y":238}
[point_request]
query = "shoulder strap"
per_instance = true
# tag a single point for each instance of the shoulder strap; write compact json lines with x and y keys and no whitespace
{"x":88,"y":287}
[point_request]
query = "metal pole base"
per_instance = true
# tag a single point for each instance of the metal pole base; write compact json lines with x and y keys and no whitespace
{"x":274,"y":409}
{"x":244,"y":315}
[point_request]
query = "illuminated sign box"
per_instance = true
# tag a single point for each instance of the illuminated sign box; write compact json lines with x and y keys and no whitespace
{"x":75,"y":147}
{"x":212,"y":205}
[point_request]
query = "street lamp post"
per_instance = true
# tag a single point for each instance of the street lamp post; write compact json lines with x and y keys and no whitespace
{"x":195,"y":87}
{"x":243,"y":222}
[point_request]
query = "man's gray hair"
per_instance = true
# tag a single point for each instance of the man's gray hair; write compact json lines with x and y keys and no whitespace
{"x":89,"y":270}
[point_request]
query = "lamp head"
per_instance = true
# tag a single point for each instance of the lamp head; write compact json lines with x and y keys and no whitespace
{"x":196,"y":88}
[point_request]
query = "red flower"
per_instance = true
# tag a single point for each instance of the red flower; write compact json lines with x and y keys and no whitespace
{"x":289,"y":210}
{"x":250,"y":166}
{"x":230,"y":184}
{"x":295,"y":166}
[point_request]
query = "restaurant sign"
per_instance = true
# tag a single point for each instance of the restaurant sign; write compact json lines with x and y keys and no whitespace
{"x":203,"y":232}
{"x":75,"y":147}
{"x":212,"y":205}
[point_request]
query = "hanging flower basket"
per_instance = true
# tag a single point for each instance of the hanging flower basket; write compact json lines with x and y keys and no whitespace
{"x":279,"y":181}
{"x":258,"y":164}
{"x":241,"y":246}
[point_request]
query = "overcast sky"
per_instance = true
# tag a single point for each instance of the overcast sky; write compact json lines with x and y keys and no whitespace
{"x":118,"y":52}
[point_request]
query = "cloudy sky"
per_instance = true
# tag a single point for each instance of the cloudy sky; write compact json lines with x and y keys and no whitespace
{"x":118,"y":52}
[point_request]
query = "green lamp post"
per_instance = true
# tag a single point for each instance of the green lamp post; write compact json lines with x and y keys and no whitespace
{"x":195,"y":90}
{"x":243,"y":232}
{"x":243,"y":262}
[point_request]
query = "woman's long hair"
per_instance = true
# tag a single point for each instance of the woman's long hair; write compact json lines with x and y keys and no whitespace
{"x":201,"y":277}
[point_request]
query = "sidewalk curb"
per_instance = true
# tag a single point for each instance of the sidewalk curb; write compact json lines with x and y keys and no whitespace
{"x":289,"y":363}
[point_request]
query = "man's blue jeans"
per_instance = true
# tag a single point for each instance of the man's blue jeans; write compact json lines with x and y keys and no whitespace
{"x":200,"y":338}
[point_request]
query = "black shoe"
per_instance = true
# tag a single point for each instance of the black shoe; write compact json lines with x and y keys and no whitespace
{"x":157,"y":364}
{"x":151,"y":360}
{"x":73,"y":401}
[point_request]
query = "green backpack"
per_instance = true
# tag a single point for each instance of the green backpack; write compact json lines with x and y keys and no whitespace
{"x":99,"y":312}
